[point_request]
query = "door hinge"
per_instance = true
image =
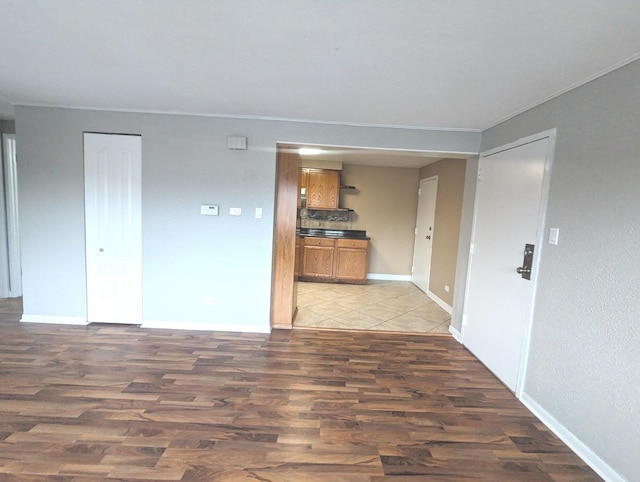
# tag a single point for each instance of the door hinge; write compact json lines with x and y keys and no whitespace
{"x":472,"y":249}
{"x":415,"y":231}
{"x":419,"y":191}
{"x":480,"y":174}
{"x":412,"y":268}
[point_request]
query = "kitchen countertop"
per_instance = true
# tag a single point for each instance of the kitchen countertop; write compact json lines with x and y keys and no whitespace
{"x":332,"y":233}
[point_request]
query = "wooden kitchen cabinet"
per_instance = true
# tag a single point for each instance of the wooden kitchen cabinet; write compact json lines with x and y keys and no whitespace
{"x":335,"y":260}
{"x":303,"y":177}
{"x":323,"y":189}
{"x":351,"y":260}
{"x":297,"y":267}
{"x":318,"y":258}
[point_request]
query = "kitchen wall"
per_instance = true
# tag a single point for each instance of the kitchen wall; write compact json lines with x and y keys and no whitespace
{"x":384,"y":204}
{"x":584,"y":357}
{"x":446,"y":229}
{"x":186,"y":256}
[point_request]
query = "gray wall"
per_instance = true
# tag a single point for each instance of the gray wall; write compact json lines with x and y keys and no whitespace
{"x":584,"y":361}
{"x":186,"y":256}
{"x":7,"y":126}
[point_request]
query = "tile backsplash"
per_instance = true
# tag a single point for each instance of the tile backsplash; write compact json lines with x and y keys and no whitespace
{"x":312,"y":218}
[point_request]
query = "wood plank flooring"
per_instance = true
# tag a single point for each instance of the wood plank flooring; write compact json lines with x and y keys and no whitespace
{"x":117,"y":402}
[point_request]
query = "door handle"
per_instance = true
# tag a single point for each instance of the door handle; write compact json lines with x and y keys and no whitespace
{"x":525,"y":270}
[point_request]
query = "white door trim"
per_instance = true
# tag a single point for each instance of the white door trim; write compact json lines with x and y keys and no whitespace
{"x":11,"y":206}
{"x":544,"y":201}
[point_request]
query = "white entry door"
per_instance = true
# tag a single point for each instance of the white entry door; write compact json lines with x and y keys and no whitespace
{"x":112,"y":179}
{"x":510,"y":206}
{"x":424,"y":233}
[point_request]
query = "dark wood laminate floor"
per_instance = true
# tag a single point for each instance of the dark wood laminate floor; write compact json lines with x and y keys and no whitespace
{"x":114,"y":402}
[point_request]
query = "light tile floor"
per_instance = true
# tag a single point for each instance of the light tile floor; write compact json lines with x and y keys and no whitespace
{"x":377,"y":305}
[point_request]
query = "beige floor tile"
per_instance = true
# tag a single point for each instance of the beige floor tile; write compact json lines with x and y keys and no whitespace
{"x":380,"y":312}
{"x":331,"y":323}
{"x":352,"y":302}
{"x":408,"y":317}
{"x":443,"y":328}
{"x":369,"y":298}
{"x":418,"y":297}
{"x":306,"y":317}
{"x":356,"y":320}
{"x":377,"y":305}
{"x":431,"y":312}
{"x":401,"y":304}
{"x":315,"y":298}
{"x":328,"y":309}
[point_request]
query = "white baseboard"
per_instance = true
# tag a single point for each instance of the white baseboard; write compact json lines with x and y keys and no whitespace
{"x":389,"y":277}
{"x":585,"y":453}
{"x":200,"y":326}
{"x":59,"y":320}
{"x":456,"y":334}
{"x":440,"y":302}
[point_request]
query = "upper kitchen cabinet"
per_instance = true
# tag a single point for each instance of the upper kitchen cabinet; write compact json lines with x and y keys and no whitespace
{"x":323,"y":189}
{"x":303,"y":177}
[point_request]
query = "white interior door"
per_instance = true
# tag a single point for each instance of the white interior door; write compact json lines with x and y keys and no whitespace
{"x":424,"y":233}
{"x":510,"y":206}
{"x":113,"y":165}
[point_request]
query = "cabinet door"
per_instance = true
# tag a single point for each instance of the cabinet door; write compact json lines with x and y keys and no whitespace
{"x":351,"y":260}
{"x":303,"y":176}
{"x":323,"y":189}
{"x":318,"y":261}
{"x":297,"y":268}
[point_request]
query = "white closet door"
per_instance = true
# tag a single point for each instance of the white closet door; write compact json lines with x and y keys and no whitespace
{"x":113,"y":165}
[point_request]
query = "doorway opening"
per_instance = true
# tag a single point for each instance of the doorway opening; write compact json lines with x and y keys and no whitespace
{"x":382,"y":199}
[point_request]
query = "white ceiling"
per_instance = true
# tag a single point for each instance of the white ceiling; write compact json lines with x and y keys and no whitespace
{"x":464,"y":64}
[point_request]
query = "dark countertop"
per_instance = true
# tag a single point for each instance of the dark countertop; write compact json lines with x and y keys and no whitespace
{"x":332,"y":233}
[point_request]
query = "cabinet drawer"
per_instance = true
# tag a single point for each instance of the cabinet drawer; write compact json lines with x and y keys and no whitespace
{"x":353,"y":243}
{"x":310,"y":241}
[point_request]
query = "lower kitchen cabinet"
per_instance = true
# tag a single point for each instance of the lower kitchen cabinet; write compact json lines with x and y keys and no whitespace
{"x":335,"y":260}
{"x":351,"y":260}
{"x":317,"y":258}
{"x":297,"y":266}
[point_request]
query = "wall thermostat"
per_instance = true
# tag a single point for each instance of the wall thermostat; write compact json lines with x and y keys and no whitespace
{"x":209,"y":209}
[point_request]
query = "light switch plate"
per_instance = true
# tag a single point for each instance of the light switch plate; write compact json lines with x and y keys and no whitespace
{"x":237,"y":143}
{"x":554,"y":233}
{"x":235,"y":211}
{"x":209,"y":209}
{"x":258,"y":213}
